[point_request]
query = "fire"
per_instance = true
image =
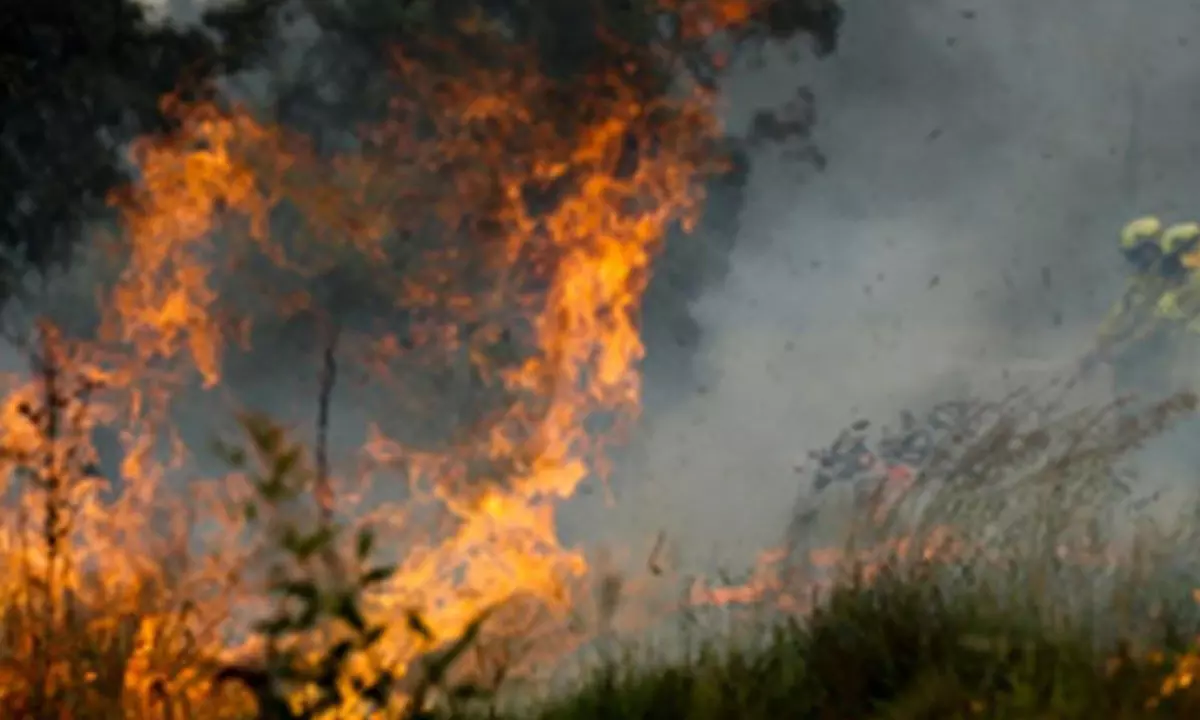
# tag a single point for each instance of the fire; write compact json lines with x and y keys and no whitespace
{"x":545,"y":236}
{"x":702,"y":19}
{"x":791,"y":584}
{"x":591,"y":254}
{"x":796,"y":580}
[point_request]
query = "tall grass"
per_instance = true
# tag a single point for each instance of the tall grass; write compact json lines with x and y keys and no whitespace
{"x":1003,"y":581}
{"x":1010,"y":579}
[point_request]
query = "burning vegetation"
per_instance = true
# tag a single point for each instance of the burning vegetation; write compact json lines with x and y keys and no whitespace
{"x":548,"y":239}
{"x":501,"y":222}
{"x":477,"y":258}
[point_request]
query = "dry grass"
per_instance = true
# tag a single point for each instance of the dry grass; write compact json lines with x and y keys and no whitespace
{"x":1013,"y":578}
{"x":1002,"y":583}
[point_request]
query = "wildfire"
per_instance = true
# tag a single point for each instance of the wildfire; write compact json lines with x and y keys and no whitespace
{"x":788,"y":583}
{"x":702,"y":19}
{"x":532,"y":249}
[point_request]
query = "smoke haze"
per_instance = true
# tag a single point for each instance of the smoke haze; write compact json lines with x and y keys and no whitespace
{"x":982,"y":157}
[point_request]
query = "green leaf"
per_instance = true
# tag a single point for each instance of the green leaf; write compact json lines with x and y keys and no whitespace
{"x":366,"y":541}
{"x":437,"y":669}
{"x":272,"y":490}
{"x":307,"y":619}
{"x":291,"y":540}
{"x":348,"y":612}
{"x":232,"y":455}
{"x":376,"y":576}
{"x":337,"y":654}
{"x":266,"y":436}
{"x":373,"y":635}
{"x":468,"y":691}
{"x":309,"y":545}
{"x":417,"y":624}
{"x":285,"y":465}
{"x":305,"y":590}
{"x":380,"y":690}
{"x":273,"y":627}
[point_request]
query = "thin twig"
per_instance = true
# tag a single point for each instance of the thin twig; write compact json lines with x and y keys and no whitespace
{"x":323,"y":488}
{"x":49,"y":478}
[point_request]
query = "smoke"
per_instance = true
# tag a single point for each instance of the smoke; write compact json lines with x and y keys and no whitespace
{"x":981,"y":158}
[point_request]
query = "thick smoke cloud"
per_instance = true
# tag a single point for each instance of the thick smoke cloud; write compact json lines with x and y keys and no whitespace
{"x":981,"y":158}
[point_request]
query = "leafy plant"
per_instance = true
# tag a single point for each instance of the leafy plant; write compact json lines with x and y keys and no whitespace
{"x":320,"y":645}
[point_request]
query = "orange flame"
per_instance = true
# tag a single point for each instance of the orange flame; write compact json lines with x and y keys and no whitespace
{"x":702,"y":18}
{"x":510,"y":236}
{"x":561,"y":276}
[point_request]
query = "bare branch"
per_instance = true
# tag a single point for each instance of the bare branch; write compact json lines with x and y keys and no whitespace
{"x":323,"y":488}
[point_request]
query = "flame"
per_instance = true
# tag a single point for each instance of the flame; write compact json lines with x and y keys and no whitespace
{"x":545,"y":233}
{"x":590,"y":254}
{"x":701,"y":19}
{"x":231,"y":219}
{"x":781,"y":580}
{"x":795,"y":580}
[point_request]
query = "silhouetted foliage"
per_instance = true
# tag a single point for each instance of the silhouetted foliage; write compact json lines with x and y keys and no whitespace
{"x":344,"y":78}
{"x":80,"y":77}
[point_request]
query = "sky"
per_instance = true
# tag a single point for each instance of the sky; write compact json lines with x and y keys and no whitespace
{"x":982,"y":157}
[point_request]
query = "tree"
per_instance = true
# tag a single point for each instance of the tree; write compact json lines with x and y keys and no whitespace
{"x":79,"y":77}
{"x":342,"y":78}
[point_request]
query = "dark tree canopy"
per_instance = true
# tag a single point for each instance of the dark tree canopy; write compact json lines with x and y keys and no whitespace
{"x":80,"y":77}
{"x":344,"y":77}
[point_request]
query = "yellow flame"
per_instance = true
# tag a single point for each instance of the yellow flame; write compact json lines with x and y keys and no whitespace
{"x":564,"y":279}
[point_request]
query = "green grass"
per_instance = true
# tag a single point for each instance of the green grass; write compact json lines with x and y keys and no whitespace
{"x":898,"y":648}
{"x":1017,"y":621}
{"x":1014,"y":619}
{"x":901,"y":647}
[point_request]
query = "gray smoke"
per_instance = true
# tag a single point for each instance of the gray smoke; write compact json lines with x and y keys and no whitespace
{"x":982,"y":157}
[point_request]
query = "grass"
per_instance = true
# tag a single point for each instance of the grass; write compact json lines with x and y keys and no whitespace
{"x":998,"y":585}
{"x":995,"y":585}
{"x":899,"y":649}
